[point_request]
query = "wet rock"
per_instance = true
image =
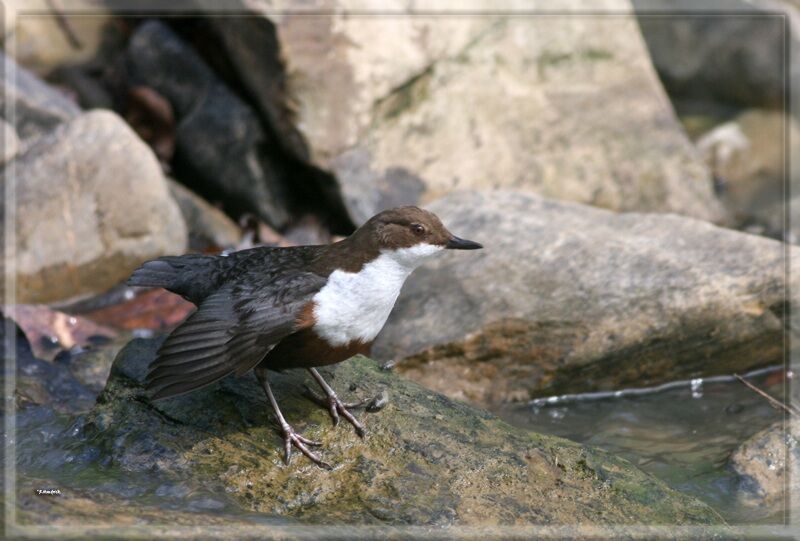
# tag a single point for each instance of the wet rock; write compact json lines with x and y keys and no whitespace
{"x":220,"y":144}
{"x":426,"y":460}
{"x":91,"y":365}
{"x":38,"y":382}
{"x":80,"y":228}
{"x":383,"y":122}
{"x":723,"y":51}
{"x":568,"y":298}
{"x":769,"y":468}
{"x":748,"y":157}
{"x":208,"y":226}
{"x":109,"y":514}
{"x":39,"y":107}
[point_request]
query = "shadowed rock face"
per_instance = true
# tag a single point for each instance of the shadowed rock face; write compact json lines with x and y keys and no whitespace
{"x":220,"y":144}
{"x":734,"y":55}
{"x":567,"y":298}
{"x":426,"y":459}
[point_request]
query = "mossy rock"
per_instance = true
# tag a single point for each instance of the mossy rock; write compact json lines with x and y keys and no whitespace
{"x":426,"y":460}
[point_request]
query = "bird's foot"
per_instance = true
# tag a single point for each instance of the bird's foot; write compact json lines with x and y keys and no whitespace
{"x":291,"y":437}
{"x":336,"y":407}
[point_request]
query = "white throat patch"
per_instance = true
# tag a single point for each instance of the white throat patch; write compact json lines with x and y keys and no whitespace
{"x":355,"y":305}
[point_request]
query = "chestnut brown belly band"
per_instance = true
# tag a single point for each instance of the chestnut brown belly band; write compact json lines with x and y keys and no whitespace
{"x":305,"y":349}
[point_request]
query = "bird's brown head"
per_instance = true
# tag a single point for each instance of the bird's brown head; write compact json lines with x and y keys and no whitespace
{"x":405,"y":228}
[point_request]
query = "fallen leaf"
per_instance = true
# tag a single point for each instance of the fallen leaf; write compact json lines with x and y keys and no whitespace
{"x":155,"y":309}
{"x":50,"y":331}
{"x":151,"y":116}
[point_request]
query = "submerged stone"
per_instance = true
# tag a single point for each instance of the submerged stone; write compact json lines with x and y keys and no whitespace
{"x":768,"y":465}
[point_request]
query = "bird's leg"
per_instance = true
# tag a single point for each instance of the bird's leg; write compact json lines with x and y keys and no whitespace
{"x":336,"y":406}
{"x":290,"y":437}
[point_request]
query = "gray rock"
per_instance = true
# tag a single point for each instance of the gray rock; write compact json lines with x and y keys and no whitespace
{"x":724,"y":50}
{"x":568,"y":298}
{"x":91,"y":205}
{"x":208,"y":226}
{"x":769,"y":468}
{"x":566,"y":107}
{"x":220,"y":143}
{"x":426,"y":460}
{"x":777,"y":214}
{"x":38,"y":107}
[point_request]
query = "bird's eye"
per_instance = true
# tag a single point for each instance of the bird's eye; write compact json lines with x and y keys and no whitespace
{"x":418,"y":229}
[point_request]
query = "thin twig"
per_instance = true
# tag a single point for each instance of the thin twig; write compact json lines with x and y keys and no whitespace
{"x":63,"y":22}
{"x":775,"y":402}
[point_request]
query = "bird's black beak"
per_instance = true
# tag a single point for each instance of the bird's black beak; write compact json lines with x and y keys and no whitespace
{"x":456,"y":243}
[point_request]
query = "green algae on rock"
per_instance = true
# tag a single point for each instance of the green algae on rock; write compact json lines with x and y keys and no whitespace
{"x":427,"y":460}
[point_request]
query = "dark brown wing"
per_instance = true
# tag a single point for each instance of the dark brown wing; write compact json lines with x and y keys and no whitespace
{"x":231,"y":331}
{"x":192,"y":276}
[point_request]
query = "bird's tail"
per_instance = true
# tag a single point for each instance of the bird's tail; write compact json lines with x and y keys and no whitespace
{"x":193,"y":276}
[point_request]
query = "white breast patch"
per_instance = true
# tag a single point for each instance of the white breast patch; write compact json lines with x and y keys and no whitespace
{"x":355,"y":305}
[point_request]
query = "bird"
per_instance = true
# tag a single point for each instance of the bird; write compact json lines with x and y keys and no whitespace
{"x":278,"y":308}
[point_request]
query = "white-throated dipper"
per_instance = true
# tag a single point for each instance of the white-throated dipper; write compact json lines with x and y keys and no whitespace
{"x":298,"y":307}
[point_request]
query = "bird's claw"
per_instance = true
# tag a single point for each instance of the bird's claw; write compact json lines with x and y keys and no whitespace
{"x":330,"y":401}
{"x":290,"y":437}
{"x":336,"y":407}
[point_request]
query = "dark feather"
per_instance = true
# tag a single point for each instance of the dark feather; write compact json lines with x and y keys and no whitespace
{"x":192,"y":276}
{"x":231,"y":331}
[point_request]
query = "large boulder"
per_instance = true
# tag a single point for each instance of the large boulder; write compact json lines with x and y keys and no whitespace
{"x":91,"y":205}
{"x":220,"y":144}
{"x":569,"y":298}
{"x":38,"y":107}
{"x":425,"y":461}
{"x":406,"y":109}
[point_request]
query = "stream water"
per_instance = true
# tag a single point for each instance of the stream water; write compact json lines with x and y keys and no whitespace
{"x":682,"y":433}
